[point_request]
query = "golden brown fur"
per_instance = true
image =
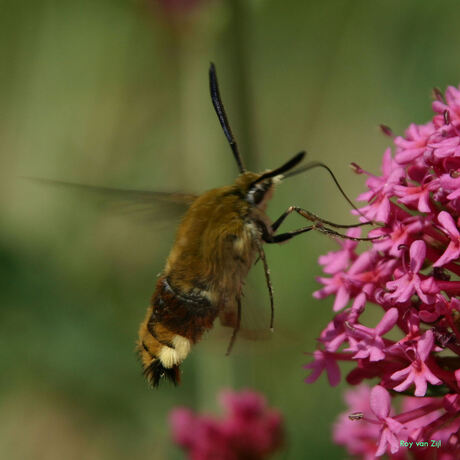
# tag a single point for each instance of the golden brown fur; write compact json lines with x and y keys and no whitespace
{"x":216,"y":245}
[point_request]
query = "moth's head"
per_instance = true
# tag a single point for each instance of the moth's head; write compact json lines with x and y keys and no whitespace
{"x":255,"y":192}
{"x":257,"y":188}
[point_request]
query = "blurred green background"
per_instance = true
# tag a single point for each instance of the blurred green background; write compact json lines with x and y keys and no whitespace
{"x":116,"y":93}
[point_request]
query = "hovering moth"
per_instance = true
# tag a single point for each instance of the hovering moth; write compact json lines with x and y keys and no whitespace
{"x":218,"y":240}
{"x":220,"y":237}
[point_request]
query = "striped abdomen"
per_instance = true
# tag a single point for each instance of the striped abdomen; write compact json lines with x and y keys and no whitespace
{"x":174,"y":321}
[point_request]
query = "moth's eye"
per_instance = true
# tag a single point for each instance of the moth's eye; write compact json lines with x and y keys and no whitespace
{"x":257,"y":192}
{"x":258,"y":195}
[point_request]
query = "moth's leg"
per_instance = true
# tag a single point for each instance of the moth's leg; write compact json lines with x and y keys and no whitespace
{"x":282,"y":237}
{"x":329,"y":231}
{"x":269,"y":284}
{"x":311,"y":217}
{"x":236,"y":328}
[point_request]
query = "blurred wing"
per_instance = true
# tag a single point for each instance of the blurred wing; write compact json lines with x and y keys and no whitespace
{"x":145,"y":203}
{"x":250,"y":329}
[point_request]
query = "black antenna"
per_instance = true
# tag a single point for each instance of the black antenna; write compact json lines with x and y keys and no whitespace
{"x":219,"y":108}
{"x":294,"y":161}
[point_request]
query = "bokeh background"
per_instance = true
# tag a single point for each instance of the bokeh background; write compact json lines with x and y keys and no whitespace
{"x":116,"y":93}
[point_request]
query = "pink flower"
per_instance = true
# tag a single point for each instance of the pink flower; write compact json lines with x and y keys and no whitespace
{"x":351,"y":282}
{"x":323,"y":361}
{"x":410,"y":282}
{"x":368,"y":343}
{"x":390,"y":428}
{"x":336,"y":332}
{"x":249,"y":430}
{"x":375,"y":432}
{"x":414,"y":144}
{"x":380,"y":189}
{"x":412,"y":276}
{"x":336,"y":261}
{"x":453,"y":250}
{"x":451,"y":185}
{"x":453,"y":103}
{"x":418,"y":372}
{"x":416,"y":196}
{"x":338,"y":285}
{"x":357,"y":435}
{"x":398,"y":235}
{"x":251,"y":427}
{"x":202,"y":437}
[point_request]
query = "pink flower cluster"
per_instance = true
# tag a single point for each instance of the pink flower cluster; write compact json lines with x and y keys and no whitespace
{"x":410,"y":276}
{"x":370,"y":417}
{"x":249,"y":431}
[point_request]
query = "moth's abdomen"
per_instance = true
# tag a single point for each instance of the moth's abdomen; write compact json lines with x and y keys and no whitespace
{"x":174,"y":321}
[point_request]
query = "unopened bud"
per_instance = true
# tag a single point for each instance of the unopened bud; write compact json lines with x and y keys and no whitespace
{"x":437,"y":94}
{"x":446,"y":117}
{"x":386,"y":130}
{"x":356,"y":168}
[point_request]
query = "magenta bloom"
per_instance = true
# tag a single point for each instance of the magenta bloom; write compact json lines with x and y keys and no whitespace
{"x":324,"y":360}
{"x":358,"y":436}
{"x":411,"y":281}
{"x":249,"y":430}
{"x":380,"y":403}
{"x":412,"y":275}
{"x":368,"y":343}
{"x":418,"y":372}
{"x":453,"y":250}
{"x":336,"y":261}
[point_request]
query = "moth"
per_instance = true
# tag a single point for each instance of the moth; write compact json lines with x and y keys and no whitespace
{"x":218,"y":240}
{"x":220,"y":237}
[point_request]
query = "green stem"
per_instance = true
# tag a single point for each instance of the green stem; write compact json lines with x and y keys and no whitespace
{"x":239,"y":50}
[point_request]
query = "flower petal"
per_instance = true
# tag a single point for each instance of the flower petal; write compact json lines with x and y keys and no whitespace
{"x":380,"y":402}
